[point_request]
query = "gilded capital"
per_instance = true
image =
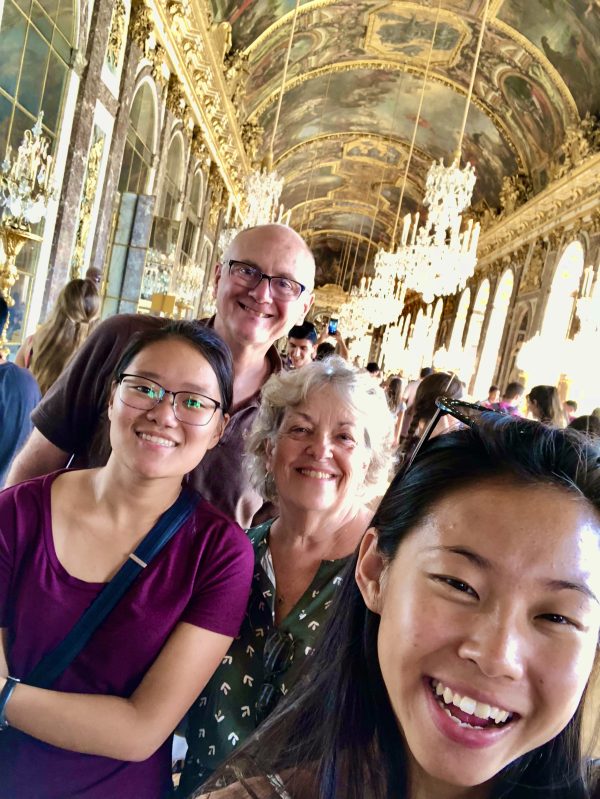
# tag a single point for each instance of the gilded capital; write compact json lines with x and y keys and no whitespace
{"x":176,"y":102}
{"x":140,"y":24}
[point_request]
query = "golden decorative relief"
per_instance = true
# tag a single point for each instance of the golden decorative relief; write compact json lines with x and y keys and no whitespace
{"x":176,"y":102}
{"x":532,"y":277}
{"x":252,"y":136}
{"x":199,"y":148}
{"x":140,"y":24}
{"x":413,"y":30}
{"x":88,"y":196}
{"x":116,"y":36}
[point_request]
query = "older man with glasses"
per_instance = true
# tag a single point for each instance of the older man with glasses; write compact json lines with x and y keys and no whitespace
{"x":264,"y":285}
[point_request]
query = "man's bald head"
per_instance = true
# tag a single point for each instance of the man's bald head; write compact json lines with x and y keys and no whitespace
{"x":285,"y":238}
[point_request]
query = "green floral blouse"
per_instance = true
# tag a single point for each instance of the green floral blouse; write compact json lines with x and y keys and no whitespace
{"x":225,"y":713}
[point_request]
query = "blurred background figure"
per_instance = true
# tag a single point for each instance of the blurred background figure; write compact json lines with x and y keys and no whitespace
{"x":590,"y":425}
{"x":570,"y":410}
{"x":302,"y":345}
{"x":19,"y":394}
{"x":409,"y":399}
{"x":95,"y":275}
{"x":429,"y":389}
{"x":544,"y":405}
{"x":493,"y":397}
{"x":511,"y":399}
{"x":373,"y":369}
{"x":49,"y":349}
{"x":324,"y":350}
{"x":394,"y":393}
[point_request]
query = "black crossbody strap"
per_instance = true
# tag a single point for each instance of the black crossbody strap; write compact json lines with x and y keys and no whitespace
{"x":55,"y":662}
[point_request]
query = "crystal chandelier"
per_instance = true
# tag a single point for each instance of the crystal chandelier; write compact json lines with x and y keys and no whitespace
{"x":382,"y":296}
{"x":24,"y":181}
{"x":439,"y":257}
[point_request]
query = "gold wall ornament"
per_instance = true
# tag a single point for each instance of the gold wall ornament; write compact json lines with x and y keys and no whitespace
{"x":116,"y":36}
{"x":220,"y":34}
{"x":156,"y":57}
{"x":516,"y":190}
{"x":88,"y":197}
{"x":141,"y":25}
{"x":252,"y":137}
{"x":199,"y":149}
{"x":12,"y":240}
{"x":176,"y":102}
{"x":532,"y":276}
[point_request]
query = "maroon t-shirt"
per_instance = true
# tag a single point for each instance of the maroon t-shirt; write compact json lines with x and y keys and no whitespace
{"x":73,"y":416}
{"x":202,"y":577}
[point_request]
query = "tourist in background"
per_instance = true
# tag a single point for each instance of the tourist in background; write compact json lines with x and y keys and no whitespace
{"x":103,"y":728}
{"x":590,"y":425}
{"x":318,"y":448}
{"x":409,"y":398}
{"x":511,"y":399}
{"x":429,"y":389}
{"x":544,"y":405}
{"x":395,"y":397}
{"x":570,"y":410}
{"x":301,"y":345}
{"x":459,"y":660}
{"x":493,"y":397}
{"x":19,"y":394}
{"x":48,"y":351}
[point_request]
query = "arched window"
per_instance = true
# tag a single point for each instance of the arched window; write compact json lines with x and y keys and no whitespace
{"x":173,"y":179}
{"x":561,"y":302}
{"x":189,"y":241}
{"x":474,"y":331}
{"x":139,"y":146}
{"x":493,"y":339}
{"x":455,"y":348}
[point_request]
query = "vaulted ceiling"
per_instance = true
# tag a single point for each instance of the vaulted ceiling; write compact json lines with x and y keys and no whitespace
{"x":353,"y":88}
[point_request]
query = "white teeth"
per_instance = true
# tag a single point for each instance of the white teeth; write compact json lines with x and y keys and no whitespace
{"x":163,"y":442}
{"x":318,"y":475}
{"x":469,"y":705}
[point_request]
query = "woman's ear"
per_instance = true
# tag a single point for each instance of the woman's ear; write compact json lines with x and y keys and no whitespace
{"x":370,"y":569}
{"x":111,"y":398}
{"x":268,"y":454}
{"x":219,"y":430}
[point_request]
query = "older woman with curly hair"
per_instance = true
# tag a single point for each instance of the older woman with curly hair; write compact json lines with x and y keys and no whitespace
{"x":319,"y":447}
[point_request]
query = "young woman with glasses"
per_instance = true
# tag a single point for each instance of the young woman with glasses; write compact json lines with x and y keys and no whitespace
{"x":104,"y":726}
{"x":318,"y":447}
{"x":459,"y":659}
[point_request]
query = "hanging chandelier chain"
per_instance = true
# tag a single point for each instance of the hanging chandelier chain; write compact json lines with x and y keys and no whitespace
{"x":416,"y":125}
{"x":472,"y":81}
{"x":284,"y":78}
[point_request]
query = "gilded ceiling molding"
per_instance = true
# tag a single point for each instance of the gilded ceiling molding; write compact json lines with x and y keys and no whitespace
{"x":342,"y":136}
{"x":282,"y":22}
{"x":541,"y":58}
{"x":311,"y":235}
{"x":196,"y":47}
{"x":319,"y":204}
{"x":390,"y":66}
{"x":572,"y":199}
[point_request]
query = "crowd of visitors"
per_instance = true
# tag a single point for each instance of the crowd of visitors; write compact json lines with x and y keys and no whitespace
{"x":411,"y":612}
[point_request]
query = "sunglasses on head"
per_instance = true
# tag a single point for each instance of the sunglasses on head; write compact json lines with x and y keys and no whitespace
{"x":468,"y":413}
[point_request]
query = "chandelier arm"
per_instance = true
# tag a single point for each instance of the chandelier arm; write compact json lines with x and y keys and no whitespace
{"x":416,"y":126}
{"x":472,"y":82}
{"x":284,"y":78}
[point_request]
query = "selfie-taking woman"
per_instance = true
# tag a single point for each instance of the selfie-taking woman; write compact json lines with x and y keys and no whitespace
{"x":318,"y":446}
{"x":102,"y":728}
{"x":456,"y":663}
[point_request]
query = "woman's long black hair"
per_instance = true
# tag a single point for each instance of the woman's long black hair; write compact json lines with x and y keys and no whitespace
{"x":335,"y":736}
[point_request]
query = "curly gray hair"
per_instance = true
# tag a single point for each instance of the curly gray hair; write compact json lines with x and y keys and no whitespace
{"x":286,"y":390}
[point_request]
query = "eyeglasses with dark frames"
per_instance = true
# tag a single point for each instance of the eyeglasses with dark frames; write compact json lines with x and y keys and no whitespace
{"x":189,"y":407}
{"x":281,"y":287}
{"x":468,"y":413}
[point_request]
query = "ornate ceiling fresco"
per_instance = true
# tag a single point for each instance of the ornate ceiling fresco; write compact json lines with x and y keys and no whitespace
{"x":354,"y":81}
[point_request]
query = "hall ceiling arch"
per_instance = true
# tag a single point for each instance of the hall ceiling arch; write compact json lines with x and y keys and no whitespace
{"x":539,"y":72}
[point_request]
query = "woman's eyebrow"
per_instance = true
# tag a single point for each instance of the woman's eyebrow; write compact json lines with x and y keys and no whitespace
{"x":469,"y":554}
{"x":572,"y":585}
